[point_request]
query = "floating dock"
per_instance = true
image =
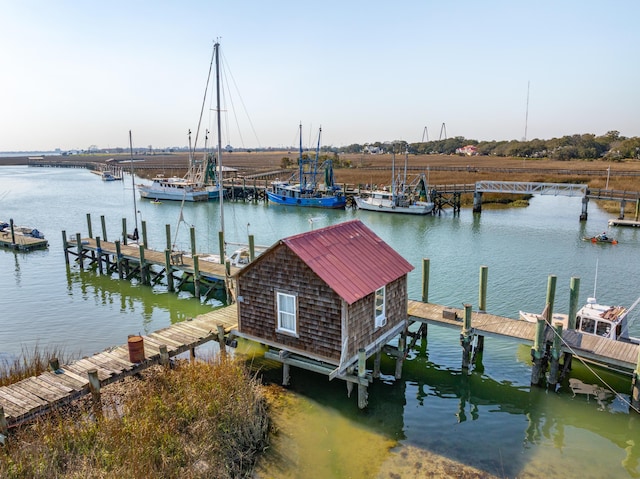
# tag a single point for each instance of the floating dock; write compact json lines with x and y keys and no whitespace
{"x":619,"y":222}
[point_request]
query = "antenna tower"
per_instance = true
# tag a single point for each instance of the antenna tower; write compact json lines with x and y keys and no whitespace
{"x":425,"y":132}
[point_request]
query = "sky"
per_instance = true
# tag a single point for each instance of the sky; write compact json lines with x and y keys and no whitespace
{"x":76,"y":75}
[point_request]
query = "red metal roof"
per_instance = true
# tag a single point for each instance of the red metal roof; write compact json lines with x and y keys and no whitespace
{"x":350,"y":258}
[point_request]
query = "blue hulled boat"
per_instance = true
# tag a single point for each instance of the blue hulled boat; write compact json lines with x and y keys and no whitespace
{"x":303,"y":189}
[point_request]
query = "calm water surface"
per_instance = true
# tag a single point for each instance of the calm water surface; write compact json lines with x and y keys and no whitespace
{"x":489,"y":419}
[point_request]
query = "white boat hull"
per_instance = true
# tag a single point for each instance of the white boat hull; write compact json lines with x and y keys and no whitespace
{"x":388,"y":206}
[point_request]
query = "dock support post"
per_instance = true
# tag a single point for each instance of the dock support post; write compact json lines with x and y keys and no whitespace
{"x":477,"y":201}
{"x":635,"y":392}
{"x":376,"y":363}
{"x":221,"y":343}
{"x":54,"y":364}
{"x":119,"y":259}
{"x":623,"y":205}
{"x":252,"y":248}
{"x":94,"y":387}
{"x":551,"y":295}
{"x":537,"y":352}
{"x":80,"y":254}
{"x":637,"y":209}
{"x":196,"y":277}
{"x":99,"y":253}
{"x":574,"y":292}
{"x":425,"y":280}
{"x":482,"y":290}
{"x":286,"y":374}
{"x":167,"y":232}
{"x":362,"y":371}
{"x":104,"y":228}
{"x":168,"y":268}
{"x":124,"y":231}
{"x":164,"y":355}
{"x":144,"y":267}
{"x":221,"y":246}
{"x":585,"y":204}
{"x":13,"y":233}
{"x":192,"y":234}
{"x":65,"y":247}
{"x":465,"y":337}
{"x":4,"y":427}
{"x":402,"y":342}
{"x":144,"y":234}
{"x":89,"y":229}
{"x":556,"y":352}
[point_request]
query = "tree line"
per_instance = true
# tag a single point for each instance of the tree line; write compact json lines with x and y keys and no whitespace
{"x":610,"y":146}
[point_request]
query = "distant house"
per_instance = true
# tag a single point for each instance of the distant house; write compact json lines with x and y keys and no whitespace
{"x":469,"y":150}
{"x":325,"y":294}
{"x":372,"y":150}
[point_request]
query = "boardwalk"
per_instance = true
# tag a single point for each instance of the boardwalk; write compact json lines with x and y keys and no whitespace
{"x":28,"y":398}
{"x":604,"y":351}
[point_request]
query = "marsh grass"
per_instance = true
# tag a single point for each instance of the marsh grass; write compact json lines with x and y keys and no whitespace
{"x":29,"y":363}
{"x":199,"y":419}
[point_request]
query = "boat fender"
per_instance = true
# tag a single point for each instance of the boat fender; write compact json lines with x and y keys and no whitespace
{"x":393,"y":207}
{"x":379,"y":206}
{"x":298,"y":201}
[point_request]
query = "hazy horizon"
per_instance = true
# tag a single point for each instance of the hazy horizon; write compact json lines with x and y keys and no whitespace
{"x":83,"y":75}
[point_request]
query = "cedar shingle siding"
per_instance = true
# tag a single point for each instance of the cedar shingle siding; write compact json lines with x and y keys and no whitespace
{"x":319,"y":307}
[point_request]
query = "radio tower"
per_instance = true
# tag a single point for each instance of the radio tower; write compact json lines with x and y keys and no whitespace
{"x":526,"y":116}
{"x":425,"y":132}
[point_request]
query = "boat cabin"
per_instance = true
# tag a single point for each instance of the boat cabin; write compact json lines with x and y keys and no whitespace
{"x":600,"y":320}
{"x":325,"y":294}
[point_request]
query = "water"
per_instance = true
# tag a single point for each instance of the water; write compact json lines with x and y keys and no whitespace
{"x":490,"y":419}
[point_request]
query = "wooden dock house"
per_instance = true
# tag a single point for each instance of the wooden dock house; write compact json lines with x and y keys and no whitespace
{"x":332,"y":297}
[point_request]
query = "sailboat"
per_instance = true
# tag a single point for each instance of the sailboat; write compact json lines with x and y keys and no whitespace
{"x":303,"y":189}
{"x":403,"y":198}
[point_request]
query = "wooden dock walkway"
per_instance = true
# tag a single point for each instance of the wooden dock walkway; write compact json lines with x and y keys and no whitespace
{"x":604,"y":351}
{"x":33,"y":396}
{"x":179,"y":261}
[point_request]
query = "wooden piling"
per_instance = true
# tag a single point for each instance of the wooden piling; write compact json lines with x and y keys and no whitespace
{"x":196,"y":276}
{"x":94,"y":387}
{"x":252,"y":248}
{"x":54,"y":364}
{"x":4,"y":426}
{"x":99,"y":253}
{"x":482,"y":290}
{"x":362,"y":371}
{"x":119,"y":259}
{"x":635,"y":391}
{"x":425,"y":280}
{"x":80,"y":255}
{"x":574,"y":293}
{"x":144,"y":268}
{"x":164,"y":355}
{"x":537,"y":352}
{"x":90,"y":230}
{"x":65,"y":247}
{"x":192,"y":234}
{"x":144,"y":234}
{"x":556,"y":352}
{"x":221,"y":342}
{"x":124,"y":231}
{"x":167,"y":232}
{"x":168,"y":268}
{"x":376,"y":363}
{"x":466,"y":336}
{"x":402,"y":342}
{"x":104,"y":228}
{"x":221,"y":246}
{"x":551,"y":294}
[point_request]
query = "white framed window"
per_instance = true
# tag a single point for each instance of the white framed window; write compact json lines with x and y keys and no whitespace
{"x":380,"y":313}
{"x":287,"y":313}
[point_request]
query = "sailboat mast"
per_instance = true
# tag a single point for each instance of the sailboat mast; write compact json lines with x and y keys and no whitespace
{"x":133,"y":183}
{"x":300,"y":165}
{"x":216,"y":48}
{"x":315,"y":163}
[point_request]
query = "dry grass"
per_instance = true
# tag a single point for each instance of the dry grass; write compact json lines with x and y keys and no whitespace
{"x":200,"y":419}
{"x":29,"y":363}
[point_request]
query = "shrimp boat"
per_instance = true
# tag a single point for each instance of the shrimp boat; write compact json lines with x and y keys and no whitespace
{"x":303,"y":189}
{"x":403,"y":198}
{"x":596,"y":320}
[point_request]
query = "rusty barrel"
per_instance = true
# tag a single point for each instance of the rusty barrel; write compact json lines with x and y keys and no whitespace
{"x":136,"y":348}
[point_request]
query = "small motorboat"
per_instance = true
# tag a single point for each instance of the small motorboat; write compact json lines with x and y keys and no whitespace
{"x":601,"y":238}
{"x":156,"y":202}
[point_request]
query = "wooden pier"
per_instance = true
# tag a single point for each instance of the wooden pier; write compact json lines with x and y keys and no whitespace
{"x":10,"y":239}
{"x":609,"y":353}
{"x":31,"y":397}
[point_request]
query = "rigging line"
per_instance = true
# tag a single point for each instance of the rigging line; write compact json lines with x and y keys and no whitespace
{"x":204,"y":100}
{"x":235,"y":117}
{"x":244,"y":108}
{"x":584,"y":363}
